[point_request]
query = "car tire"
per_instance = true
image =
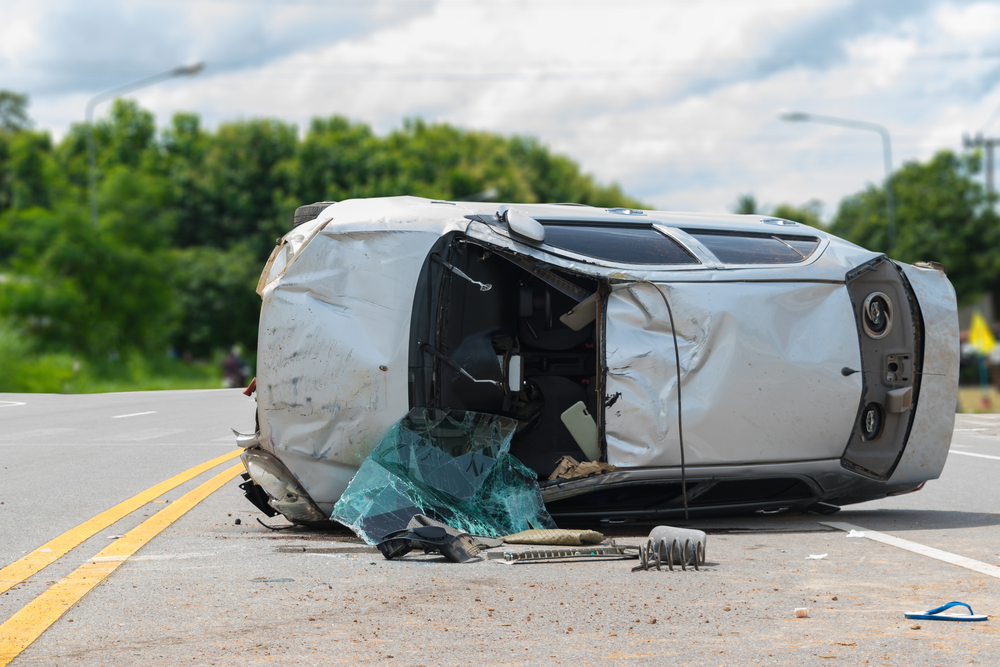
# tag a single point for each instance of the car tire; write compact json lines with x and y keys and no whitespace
{"x":309,"y":212}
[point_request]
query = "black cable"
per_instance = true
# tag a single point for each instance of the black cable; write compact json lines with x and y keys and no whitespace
{"x":291,"y":525}
{"x":677,"y":358}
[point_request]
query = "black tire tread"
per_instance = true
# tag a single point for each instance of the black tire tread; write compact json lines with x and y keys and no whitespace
{"x":309,"y":212}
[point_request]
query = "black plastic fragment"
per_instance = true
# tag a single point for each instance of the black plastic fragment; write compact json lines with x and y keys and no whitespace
{"x":429,"y":539}
{"x":257,"y":496}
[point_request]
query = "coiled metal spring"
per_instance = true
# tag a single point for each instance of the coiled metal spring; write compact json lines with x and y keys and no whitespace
{"x":670,"y":551}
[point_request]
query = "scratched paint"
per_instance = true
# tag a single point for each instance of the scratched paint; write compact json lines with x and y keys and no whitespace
{"x":329,"y":324}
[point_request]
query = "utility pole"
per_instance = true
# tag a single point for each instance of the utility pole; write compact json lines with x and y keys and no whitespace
{"x":986,"y":143}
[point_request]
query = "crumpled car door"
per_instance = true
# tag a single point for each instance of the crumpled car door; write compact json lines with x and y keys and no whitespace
{"x":760,"y":368}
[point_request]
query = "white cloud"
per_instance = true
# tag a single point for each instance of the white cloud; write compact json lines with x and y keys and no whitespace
{"x":676,"y":101}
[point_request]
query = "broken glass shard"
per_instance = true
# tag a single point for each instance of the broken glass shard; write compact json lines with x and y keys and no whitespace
{"x":453,"y":466}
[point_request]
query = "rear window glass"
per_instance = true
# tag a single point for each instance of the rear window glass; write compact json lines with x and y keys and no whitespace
{"x":629,"y":245}
{"x":744,"y":248}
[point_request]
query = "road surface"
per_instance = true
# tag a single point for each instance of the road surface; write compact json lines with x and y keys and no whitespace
{"x":206,"y":590}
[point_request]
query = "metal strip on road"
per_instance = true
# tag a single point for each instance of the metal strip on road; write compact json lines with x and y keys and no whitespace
{"x":923,"y":550}
{"x":55,"y":549}
{"x":28,"y":624}
{"x":982,"y":456}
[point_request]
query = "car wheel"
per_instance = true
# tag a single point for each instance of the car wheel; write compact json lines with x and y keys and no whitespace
{"x":309,"y":212}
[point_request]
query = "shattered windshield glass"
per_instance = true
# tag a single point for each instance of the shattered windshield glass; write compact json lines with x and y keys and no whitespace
{"x":452,"y":466}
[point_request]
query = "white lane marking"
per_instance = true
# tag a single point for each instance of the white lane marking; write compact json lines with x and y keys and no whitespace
{"x":968,"y":430}
{"x":982,"y":456}
{"x":135,"y":414}
{"x":947,"y":557}
{"x":10,"y":404}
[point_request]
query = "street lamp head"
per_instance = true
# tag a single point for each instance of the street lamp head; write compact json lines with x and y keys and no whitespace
{"x":793,"y":116}
{"x":188,"y":70}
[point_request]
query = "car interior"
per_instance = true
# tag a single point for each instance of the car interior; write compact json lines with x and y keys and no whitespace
{"x":487,"y":336}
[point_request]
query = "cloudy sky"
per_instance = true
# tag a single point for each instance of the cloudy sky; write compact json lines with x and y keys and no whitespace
{"x":676,"y":100}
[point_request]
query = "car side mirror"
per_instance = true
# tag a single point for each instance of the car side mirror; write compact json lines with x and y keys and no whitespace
{"x":521,"y":224}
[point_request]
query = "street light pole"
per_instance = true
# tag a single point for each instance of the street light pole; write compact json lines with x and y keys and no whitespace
{"x":184,"y":70}
{"x":989,"y":143}
{"x":890,"y":203}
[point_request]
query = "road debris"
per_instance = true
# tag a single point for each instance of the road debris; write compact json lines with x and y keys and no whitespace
{"x":801,"y":612}
{"x":937,"y":614}
{"x":610,"y":551}
{"x":555,"y":536}
{"x":568,"y":467}
{"x":458,"y":548}
{"x":673,"y":546}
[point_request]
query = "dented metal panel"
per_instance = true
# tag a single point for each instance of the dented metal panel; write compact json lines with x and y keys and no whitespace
{"x":333,"y":344}
{"x":934,"y":418}
{"x":760,"y":367}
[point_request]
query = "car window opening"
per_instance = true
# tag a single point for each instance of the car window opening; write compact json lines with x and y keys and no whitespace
{"x":507,"y":352}
{"x":628,"y":244}
{"x":750,"y":248}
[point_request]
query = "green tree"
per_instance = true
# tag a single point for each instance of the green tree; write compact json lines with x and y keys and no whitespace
{"x":87,"y":290}
{"x":245,"y":179}
{"x":71,"y":286}
{"x":28,"y":171}
{"x":216,"y":298}
{"x":942,"y":214}
{"x":746,"y":204}
{"x":807,"y":214}
{"x":188,"y":216}
{"x":13,"y":111}
{"x":339,"y":160}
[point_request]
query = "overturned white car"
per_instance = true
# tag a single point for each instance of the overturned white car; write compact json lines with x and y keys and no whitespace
{"x":718,"y":362}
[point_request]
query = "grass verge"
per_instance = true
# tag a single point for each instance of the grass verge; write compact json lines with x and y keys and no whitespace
{"x":27,"y":371}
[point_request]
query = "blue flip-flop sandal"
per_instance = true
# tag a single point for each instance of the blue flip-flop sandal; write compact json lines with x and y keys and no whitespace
{"x":936,"y":615}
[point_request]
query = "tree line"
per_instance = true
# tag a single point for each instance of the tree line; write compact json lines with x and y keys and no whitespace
{"x":188,"y":216}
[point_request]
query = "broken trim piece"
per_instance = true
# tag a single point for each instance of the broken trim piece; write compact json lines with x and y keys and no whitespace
{"x":265,"y":274}
{"x":448,"y":360}
{"x":483,"y":287}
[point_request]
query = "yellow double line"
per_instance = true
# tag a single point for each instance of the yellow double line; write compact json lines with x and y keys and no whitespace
{"x":24,"y":627}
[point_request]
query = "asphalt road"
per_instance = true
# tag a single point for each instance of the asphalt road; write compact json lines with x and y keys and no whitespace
{"x":209,"y":591}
